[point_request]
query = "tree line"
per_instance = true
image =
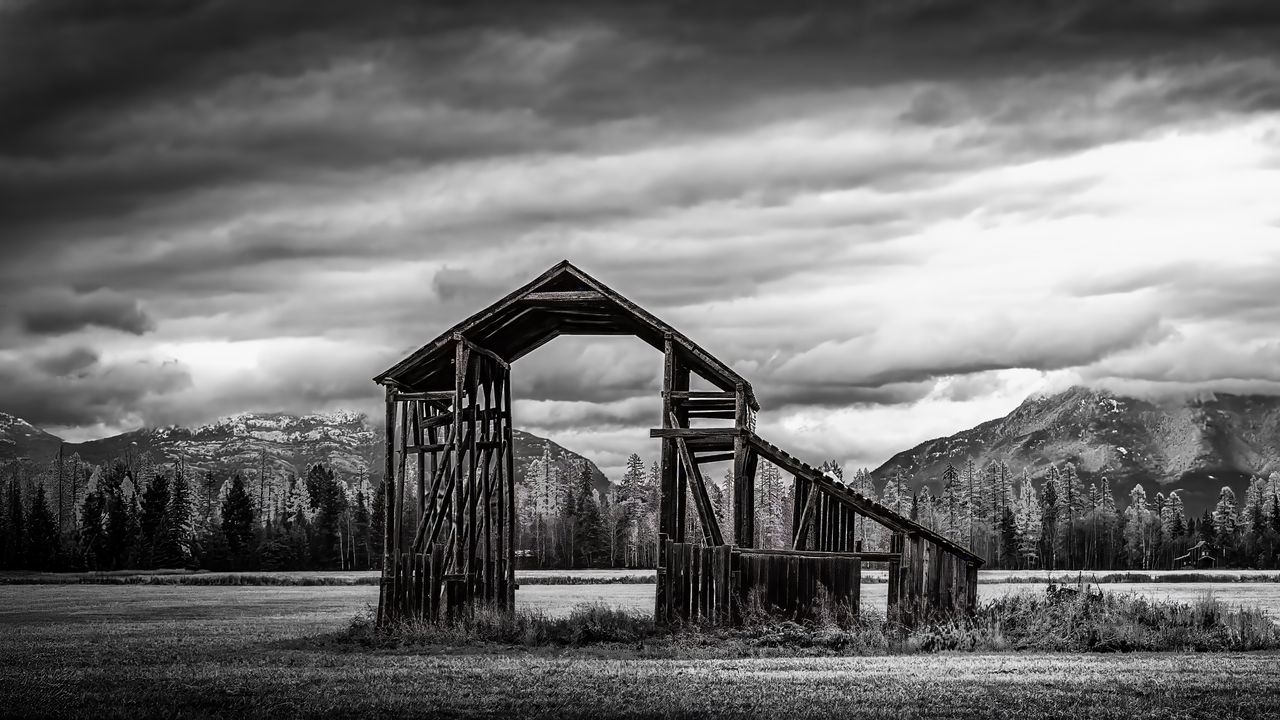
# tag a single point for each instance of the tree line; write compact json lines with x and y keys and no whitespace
{"x":136,"y":514}
{"x":132,"y":513}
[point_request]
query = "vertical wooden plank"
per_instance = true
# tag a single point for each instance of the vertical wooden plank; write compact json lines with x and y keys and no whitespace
{"x":935,"y":577}
{"x":660,"y":604}
{"x":724,"y":580}
{"x":793,"y":588}
{"x":460,"y":360}
{"x":499,"y":488}
{"x":473,"y":485}
{"x":971,"y":587}
{"x":855,"y":591}
{"x":695,"y":574}
{"x":717,"y":585}
{"x":708,"y":583}
{"x":388,"y":507}
{"x":509,"y":469}
{"x":667,"y":468}
{"x":673,"y":565}
{"x":684,"y":580}
{"x":486,"y":481}
{"x":414,"y":407}
{"x":948,"y":582}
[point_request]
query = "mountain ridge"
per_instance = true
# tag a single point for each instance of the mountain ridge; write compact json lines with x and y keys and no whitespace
{"x":344,"y":440}
{"x":1194,"y":445}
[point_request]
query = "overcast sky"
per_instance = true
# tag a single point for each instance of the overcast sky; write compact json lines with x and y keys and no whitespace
{"x":897,"y":218}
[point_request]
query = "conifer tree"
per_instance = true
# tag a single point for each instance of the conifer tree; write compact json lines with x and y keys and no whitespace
{"x":175,"y":546}
{"x":632,"y":501}
{"x":119,"y":517}
{"x":155,"y":500}
{"x":361,"y":521}
{"x":1027,"y":520}
{"x":1008,"y":538}
{"x":589,"y":536}
{"x":15,"y":527}
{"x":328,"y":500}
{"x":377,"y":526}
{"x":1049,"y":521}
{"x":1225,"y":520}
{"x":42,"y":534}
{"x":238,"y":523}
{"x":1206,"y":526}
{"x":950,"y":520}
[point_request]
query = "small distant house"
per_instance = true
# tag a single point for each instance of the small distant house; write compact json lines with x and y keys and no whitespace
{"x":1203,"y":555}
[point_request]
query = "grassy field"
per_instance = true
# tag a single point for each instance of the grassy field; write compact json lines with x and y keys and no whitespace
{"x":193,"y":651}
{"x":300,"y":577}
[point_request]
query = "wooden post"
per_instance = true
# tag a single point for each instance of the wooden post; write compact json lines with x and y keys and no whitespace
{"x":667,"y":467}
{"x":459,"y":506}
{"x":388,"y":524}
{"x":508,"y":447}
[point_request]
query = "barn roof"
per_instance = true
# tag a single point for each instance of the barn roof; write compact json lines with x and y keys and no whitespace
{"x":564,"y":300}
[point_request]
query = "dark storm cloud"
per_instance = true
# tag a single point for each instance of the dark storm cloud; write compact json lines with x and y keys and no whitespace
{"x":68,"y":68}
{"x":66,"y":311}
{"x":78,"y":390}
{"x":233,"y":171}
{"x":74,"y":360}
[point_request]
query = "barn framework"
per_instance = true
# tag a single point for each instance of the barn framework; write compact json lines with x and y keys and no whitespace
{"x":449,"y":405}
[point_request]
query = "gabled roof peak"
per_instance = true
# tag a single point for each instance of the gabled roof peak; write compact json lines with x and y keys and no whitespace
{"x":563,"y":300}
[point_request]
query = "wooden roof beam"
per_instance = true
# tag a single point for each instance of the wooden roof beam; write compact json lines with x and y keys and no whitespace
{"x":562,"y":296}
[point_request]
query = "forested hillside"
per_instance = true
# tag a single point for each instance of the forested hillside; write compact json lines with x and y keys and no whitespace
{"x":240,"y":501}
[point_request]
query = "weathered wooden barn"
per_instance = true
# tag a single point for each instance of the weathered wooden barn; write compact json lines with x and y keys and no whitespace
{"x":449,"y":406}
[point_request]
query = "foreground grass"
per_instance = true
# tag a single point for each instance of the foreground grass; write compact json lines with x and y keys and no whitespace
{"x":300,"y":578}
{"x":1062,"y":619}
{"x":109,"y":651}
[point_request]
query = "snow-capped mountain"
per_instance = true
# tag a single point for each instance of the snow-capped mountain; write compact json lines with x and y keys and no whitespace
{"x":1194,"y":445}
{"x":283,"y":443}
{"x":19,"y":438}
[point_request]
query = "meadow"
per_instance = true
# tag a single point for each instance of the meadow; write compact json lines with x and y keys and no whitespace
{"x":280,"y":651}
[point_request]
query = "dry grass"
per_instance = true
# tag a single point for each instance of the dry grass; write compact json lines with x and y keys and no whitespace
{"x":306,"y":578}
{"x":1062,"y":619}
{"x":270,"y":652}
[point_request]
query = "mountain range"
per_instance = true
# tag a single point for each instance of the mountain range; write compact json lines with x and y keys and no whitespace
{"x":1193,"y":445}
{"x":345,"y":441}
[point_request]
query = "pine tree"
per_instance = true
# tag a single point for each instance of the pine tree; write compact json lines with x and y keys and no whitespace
{"x":377,"y":526}
{"x":1027,"y":518}
{"x":328,"y":499}
{"x":363,"y":559}
{"x":119,"y":516}
{"x":1140,"y":521}
{"x":632,"y":502}
{"x":238,"y":523}
{"x":42,"y":534}
{"x":950,"y":520}
{"x":770,"y":526}
{"x":1206,"y":526}
{"x":1225,"y":521}
{"x":175,"y":545}
{"x":15,"y":527}
{"x":1008,"y":537}
{"x":155,"y":499}
{"x":1070,"y":513}
{"x":1049,"y":521}
{"x":589,"y":536}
